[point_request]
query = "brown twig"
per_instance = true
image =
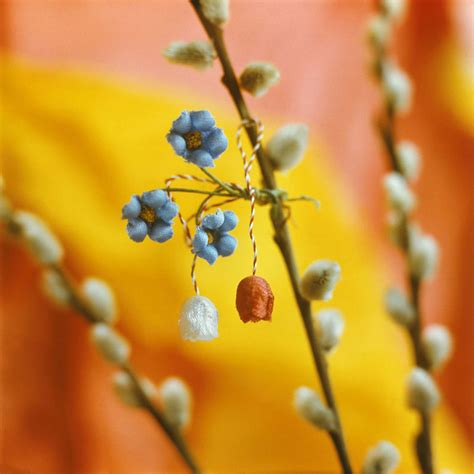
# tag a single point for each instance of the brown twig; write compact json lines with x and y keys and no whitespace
{"x":281,"y":232}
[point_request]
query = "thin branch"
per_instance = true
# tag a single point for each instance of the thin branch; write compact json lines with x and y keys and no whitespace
{"x":281,"y":232}
{"x":77,"y":303}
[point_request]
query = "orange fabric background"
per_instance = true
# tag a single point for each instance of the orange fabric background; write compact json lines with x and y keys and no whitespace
{"x":318,"y":47}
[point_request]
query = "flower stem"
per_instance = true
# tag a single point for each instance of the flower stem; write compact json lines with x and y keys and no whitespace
{"x":282,"y":235}
{"x":423,"y":447}
{"x":174,"y":435}
{"x":77,"y":303}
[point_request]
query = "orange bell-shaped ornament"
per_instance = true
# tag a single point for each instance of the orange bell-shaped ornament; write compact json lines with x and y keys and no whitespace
{"x":254,"y":300}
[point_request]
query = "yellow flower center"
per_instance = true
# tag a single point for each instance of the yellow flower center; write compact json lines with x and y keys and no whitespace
{"x":147,"y":214}
{"x":193,"y":140}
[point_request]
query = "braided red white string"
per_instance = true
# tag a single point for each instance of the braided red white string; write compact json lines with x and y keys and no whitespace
{"x":187,"y":232}
{"x":187,"y":177}
{"x":247,"y":168}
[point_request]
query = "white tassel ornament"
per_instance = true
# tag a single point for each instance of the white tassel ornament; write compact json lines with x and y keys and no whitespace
{"x":199,"y":318}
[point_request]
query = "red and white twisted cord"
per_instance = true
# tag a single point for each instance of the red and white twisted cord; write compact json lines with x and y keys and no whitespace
{"x":248,"y":162}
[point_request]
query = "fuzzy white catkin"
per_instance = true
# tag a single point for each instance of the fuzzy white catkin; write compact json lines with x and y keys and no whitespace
{"x":287,"y":146}
{"x":394,"y":9}
{"x":319,"y":280}
{"x":308,"y":405}
{"x":100,"y":299}
{"x":397,"y":87}
{"x":39,"y":238}
{"x":378,"y":31}
{"x":330,"y":326}
{"x":437,"y":345}
{"x":382,"y":458}
{"x":111,"y":345}
{"x":199,"y":318}
{"x":176,"y":401}
{"x":198,"y":54}
{"x":398,"y":194}
{"x":422,"y":393}
{"x":424,"y":254}
{"x":216,"y":11}
{"x":126,"y":389}
{"x":258,"y":77}
{"x":398,"y":307}
{"x":54,"y":287}
{"x":408,"y":159}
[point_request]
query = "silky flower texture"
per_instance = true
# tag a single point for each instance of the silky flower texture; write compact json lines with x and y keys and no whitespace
{"x":195,"y":137}
{"x":151,"y":214}
{"x":212,"y":237}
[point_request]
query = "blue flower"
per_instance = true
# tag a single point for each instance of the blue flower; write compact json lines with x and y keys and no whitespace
{"x":212,"y":236}
{"x":152,"y":213}
{"x":195,"y":137}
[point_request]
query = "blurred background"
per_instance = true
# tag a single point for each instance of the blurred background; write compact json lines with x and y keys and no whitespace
{"x":86,"y":102}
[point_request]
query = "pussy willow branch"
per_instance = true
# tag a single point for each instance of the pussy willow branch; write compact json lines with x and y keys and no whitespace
{"x":77,"y":303}
{"x":387,"y":132}
{"x":423,"y":440}
{"x":282,"y":235}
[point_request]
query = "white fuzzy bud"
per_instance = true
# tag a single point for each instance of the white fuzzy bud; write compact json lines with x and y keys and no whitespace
{"x":329,"y":326}
{"x":100,"y":299}
{"x":199,"y":318}
{"x":110,"y":343}
{"x":308,"y":405}
{"x":422,"y":392}
{"x":287,"y":146}
{"x":397,"y":87}
{"x":437,"y":345}
{"x":398,"y":307}
{"x":378,"y":31}
{"x":394,"y":9}
{"x":216,"y":11}
{"x":382,"y":458}
{"x":198,"y":54}
{"x":424,"y":254}
{"x":54,"y":287}
{"x":127,"y":391}
{"x":258,"y":77}
{"x":39,"y":238}
{"x":319,"y":280}
{"x":398,"y":194}
{"x":176,"y":401}
{"x":408,"y":159}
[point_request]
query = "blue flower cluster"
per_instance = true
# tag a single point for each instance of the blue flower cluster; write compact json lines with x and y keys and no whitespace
{"x":150,"y":214}
{"x":212,"y":236}
{"x":195,"y":137}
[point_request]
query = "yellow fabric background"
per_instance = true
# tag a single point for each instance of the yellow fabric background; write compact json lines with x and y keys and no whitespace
{"x":77,"y":146}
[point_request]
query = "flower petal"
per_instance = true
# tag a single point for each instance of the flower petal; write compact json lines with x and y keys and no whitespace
{"x":182,"y":124}
{"x":230,"y":221}
{"x":177,"y":142}
{"x":209,"y":254}
{"x":137,"y":229}
{"x":213,"y":221}
{"x":202,"y":120}
{"x":161,"y":232}
{"x":168,"y":212}
{"x":154,"y":199}
{"x":201,"y":158}
{"x":216,"y":142}
{"x":132,"y":209}
{"x":225,"y":245}
{"x":200,"y":240}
